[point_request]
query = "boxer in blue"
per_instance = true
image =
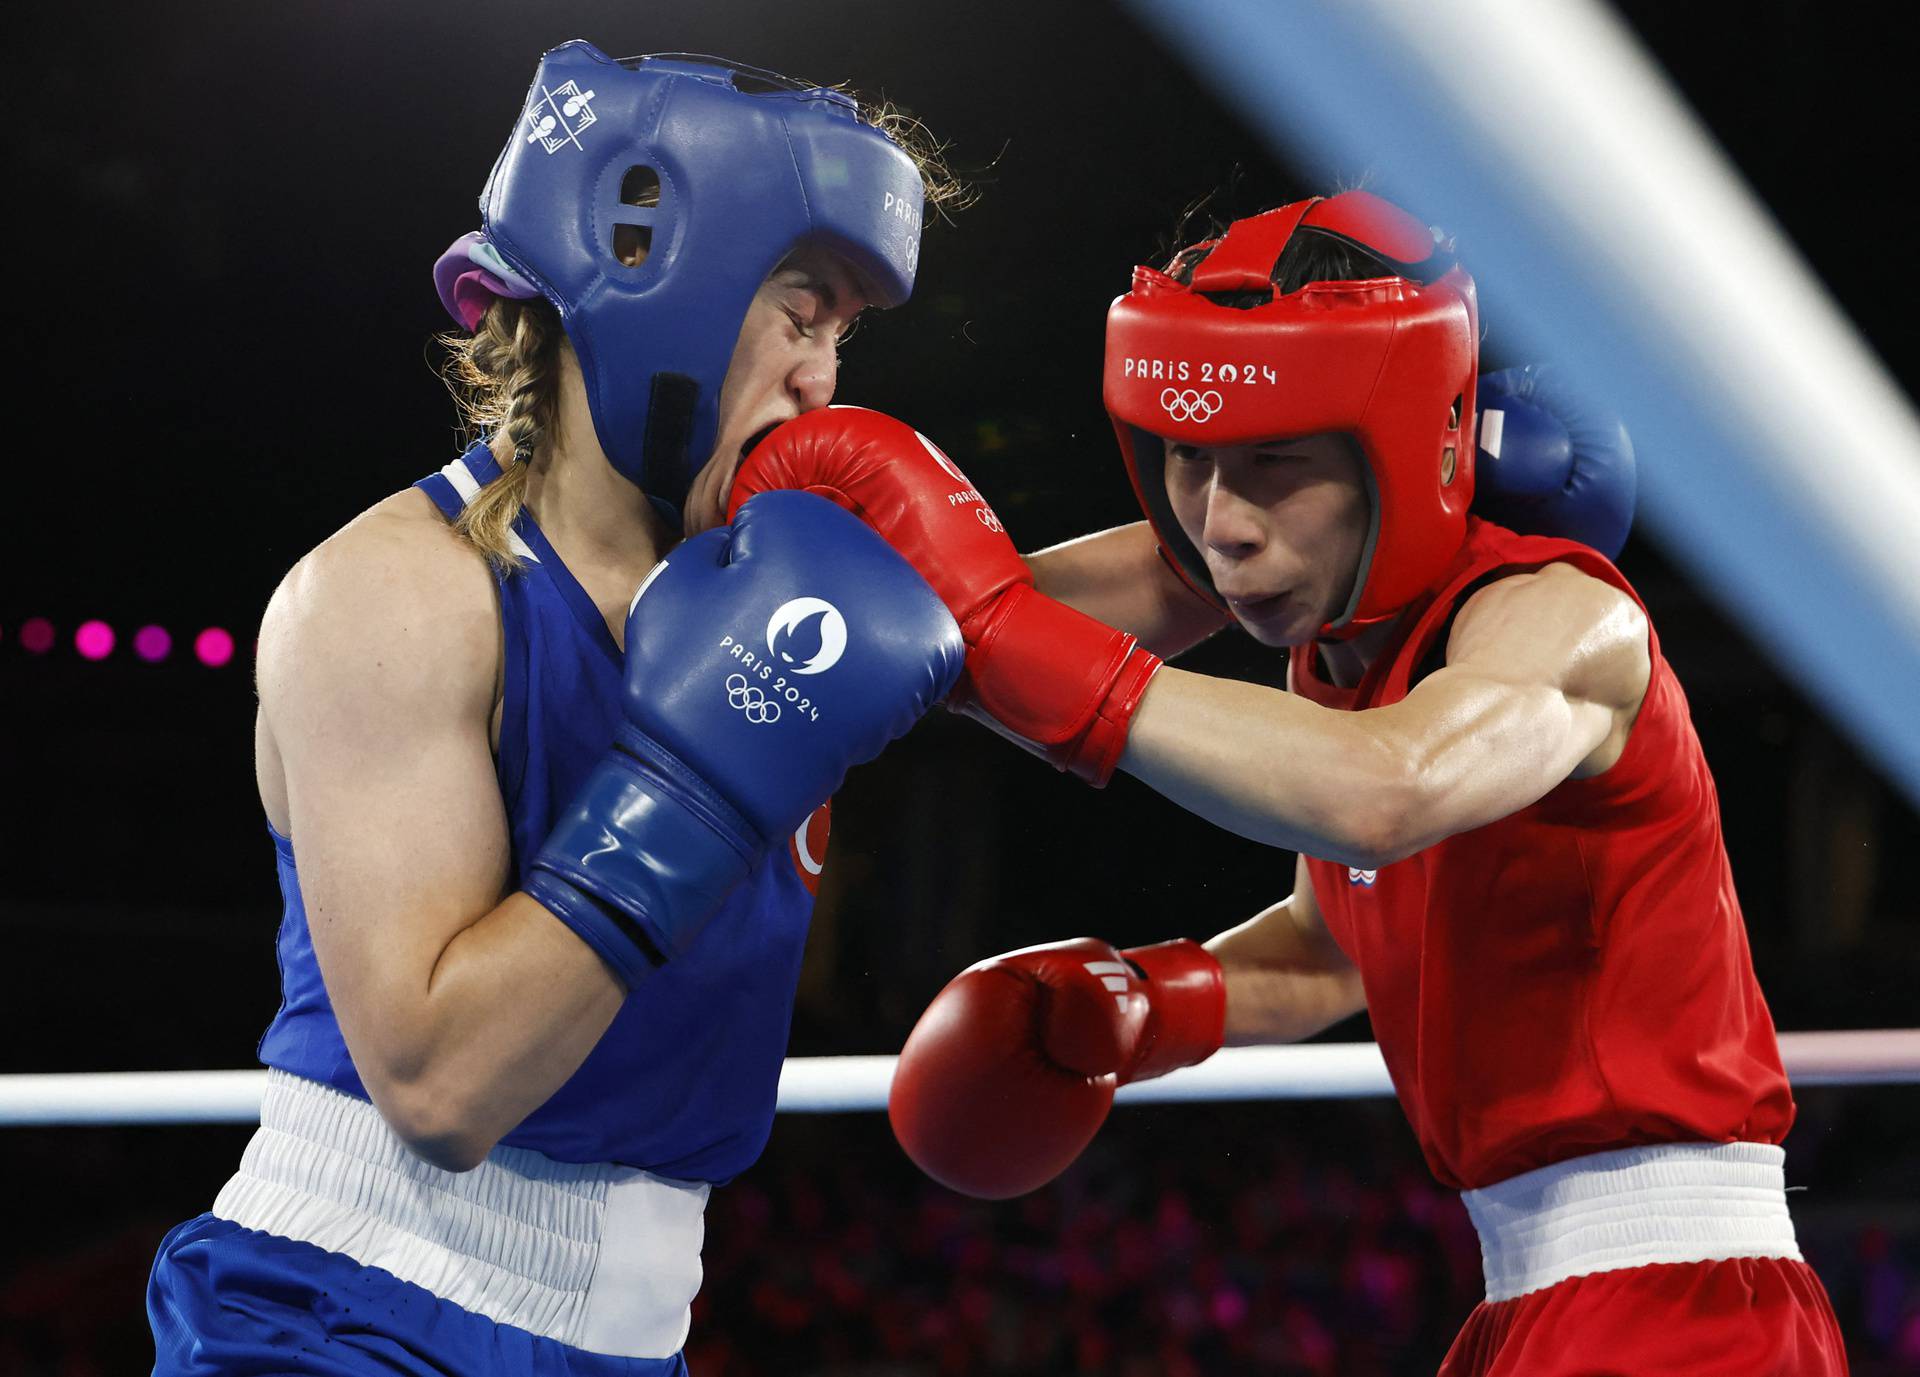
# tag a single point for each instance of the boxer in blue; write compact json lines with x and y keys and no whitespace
{"x":556,"y":837}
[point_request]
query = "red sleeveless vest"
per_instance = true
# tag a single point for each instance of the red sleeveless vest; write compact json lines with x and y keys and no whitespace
{"x":1573,"y":977}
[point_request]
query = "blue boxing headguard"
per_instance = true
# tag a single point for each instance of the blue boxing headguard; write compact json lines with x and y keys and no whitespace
{"x":748,"y":166}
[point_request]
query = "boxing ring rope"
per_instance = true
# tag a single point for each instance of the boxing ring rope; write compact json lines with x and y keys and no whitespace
{"x":829,"y":1085}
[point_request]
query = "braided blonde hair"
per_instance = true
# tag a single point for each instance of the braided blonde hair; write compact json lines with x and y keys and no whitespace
{"x":505,"y":378}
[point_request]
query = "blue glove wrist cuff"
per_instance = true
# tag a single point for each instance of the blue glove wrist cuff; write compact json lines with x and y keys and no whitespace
{"x":642,"y":857}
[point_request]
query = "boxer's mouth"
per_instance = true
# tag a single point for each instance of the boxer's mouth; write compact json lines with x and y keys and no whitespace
{"x":753,"y":440}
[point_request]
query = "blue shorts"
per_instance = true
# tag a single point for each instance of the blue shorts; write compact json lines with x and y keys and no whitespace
{"x":228,"y":1300}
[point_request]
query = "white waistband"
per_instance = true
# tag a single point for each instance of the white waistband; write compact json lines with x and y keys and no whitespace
{"x":601,"y":1257}
{"x":1675,"y":1202}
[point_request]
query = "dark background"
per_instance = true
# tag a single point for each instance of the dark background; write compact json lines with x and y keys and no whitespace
{"x":223,"y":218}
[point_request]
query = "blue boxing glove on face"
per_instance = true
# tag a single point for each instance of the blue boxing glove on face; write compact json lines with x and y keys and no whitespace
{"x":1552,"y":462}
{"x":763,"y":660}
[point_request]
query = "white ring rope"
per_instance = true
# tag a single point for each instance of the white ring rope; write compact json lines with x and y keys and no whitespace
{"x":825,"y":1085}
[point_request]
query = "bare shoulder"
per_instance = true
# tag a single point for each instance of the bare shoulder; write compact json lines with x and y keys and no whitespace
{"x":393,"y":600}
{"x":1560,"y":627}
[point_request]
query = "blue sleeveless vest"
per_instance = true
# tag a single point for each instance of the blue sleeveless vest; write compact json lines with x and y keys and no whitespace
{"x":682,"y":1084}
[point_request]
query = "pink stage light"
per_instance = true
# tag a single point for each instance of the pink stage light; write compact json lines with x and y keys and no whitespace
{"x":94,"y":640}
{"x":152,"y":644}
{"x":36,"y":635}
{"x":214,"y":646}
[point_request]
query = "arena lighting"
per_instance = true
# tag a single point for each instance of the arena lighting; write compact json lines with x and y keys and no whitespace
{"x":152,"y":644}
{"x":1628,"y":249}
{"x":214,"y":646}
{"x":36,"y":635}
{"x":94,"y":640}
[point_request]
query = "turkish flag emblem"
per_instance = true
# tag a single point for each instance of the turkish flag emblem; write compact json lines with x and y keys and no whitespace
{"x":808,"y":846}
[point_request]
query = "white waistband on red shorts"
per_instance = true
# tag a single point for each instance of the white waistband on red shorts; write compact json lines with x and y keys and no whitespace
{"x":601,"y":1257}
{"x":1672,"y":1202}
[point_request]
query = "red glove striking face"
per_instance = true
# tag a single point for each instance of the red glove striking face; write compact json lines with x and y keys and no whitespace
{"x":1060,"y":683}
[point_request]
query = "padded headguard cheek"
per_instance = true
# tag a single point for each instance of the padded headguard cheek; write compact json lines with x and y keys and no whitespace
{"x":1145,"y":455}
{"x":1142,"y":450}
{"x":1226,"y":360}
{"x":648,"y":198}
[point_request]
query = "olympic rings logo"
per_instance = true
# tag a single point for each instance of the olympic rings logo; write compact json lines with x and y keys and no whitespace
{"x":988,"y":519}
{"x":748,"y":700}
{"x":1191,"y":405}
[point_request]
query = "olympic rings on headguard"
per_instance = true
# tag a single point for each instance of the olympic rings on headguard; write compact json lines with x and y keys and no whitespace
{"x":1191,"y":405}
{"x":755,"y":705}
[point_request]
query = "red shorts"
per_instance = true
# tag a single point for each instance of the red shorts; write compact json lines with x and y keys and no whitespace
{"x":1742,"y":1317}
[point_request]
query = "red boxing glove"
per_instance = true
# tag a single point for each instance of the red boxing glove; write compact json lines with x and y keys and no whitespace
{"x":1057,"y":681}
{"x":1012,"y":1068}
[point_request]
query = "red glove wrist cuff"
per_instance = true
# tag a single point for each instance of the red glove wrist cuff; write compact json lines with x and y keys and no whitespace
{"x":1055,"y":678}
{"x":1095,"y":754}
{"x":1187,"y":996}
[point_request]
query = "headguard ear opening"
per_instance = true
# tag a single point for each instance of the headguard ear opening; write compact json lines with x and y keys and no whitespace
{"x":632,"y":244}
{"x":632,"y":230}
{"x":640,"y":186}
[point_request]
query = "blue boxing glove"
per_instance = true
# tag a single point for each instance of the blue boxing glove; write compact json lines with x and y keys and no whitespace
{"x":763,"y":660}
{"x":1551,"y":462}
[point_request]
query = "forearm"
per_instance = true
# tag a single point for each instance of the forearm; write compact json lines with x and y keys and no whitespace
{"x":1269,"y":1006}
{"x":1283,"y":985}
{"x":504,"y":1016}
{"x":1271,"y":766}
{"x":1118,"y":577}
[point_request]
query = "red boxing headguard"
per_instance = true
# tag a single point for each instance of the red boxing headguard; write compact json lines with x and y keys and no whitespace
{"x":1391,"y":360}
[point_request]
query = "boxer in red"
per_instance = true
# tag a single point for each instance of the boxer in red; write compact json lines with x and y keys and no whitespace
{"x":1509,"y":842}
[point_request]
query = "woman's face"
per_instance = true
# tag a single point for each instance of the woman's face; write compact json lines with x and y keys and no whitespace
{"x":1281,"y":524}
{"x":785,"y":362}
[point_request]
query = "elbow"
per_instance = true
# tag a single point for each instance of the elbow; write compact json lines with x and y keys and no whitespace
{"x":435,"y":1126}
{"x":1381,"y":823}
{"x":1370,"y":841}
{"x":449,"y":1151}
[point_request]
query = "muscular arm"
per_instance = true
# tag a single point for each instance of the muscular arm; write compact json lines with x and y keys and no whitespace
{"x":1544,"y":674}
{"x":463,"y":1009}
{"x":1118,"y":577}
{"x":1286,"y":978}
